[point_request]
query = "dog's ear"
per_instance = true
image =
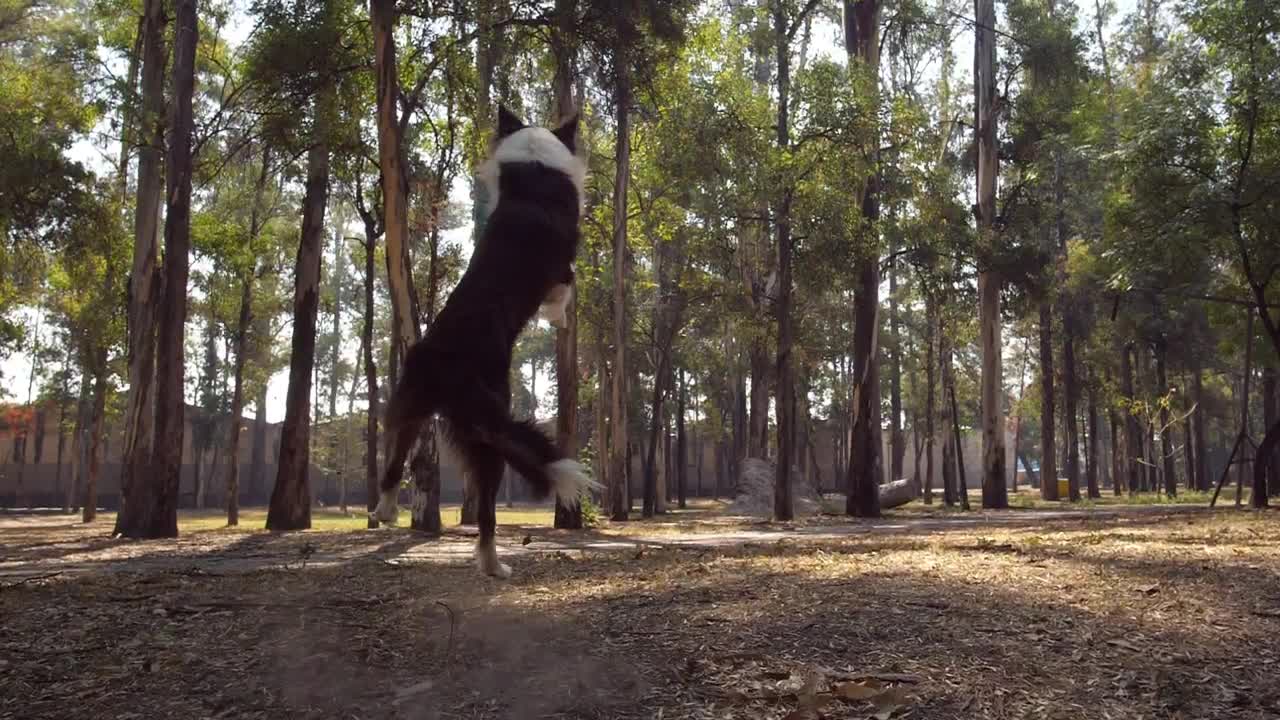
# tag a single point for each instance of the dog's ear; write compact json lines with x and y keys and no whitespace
{"x":508,"y":122}
{"x":568,"y":132}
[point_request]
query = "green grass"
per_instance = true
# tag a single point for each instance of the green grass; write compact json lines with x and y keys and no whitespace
{"x":255,"y":518}
{"x":1031,"y":499}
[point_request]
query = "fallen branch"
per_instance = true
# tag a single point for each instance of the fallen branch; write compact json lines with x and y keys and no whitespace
{"x":30,"y":578}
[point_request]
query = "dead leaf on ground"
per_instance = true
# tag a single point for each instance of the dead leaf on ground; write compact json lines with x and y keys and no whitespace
{"x":858,"y":690}
{"x":889,"y":702}
{"x":1124,"y":644}
{"x":1151,"y":589}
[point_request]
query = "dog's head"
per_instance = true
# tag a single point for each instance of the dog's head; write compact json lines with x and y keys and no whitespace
{"x":517,"y":144}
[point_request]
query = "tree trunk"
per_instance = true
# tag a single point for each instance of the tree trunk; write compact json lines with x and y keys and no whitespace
{"x":144,"y":282}
{"x":784,"y":380}
{"x":1091,"y":468}
{"x":963,"y":491}
{"x":291,"y":497}
{"x":1133,"y":431}
{"x":62,"y":441}
{"x":862,"y":46}
{"x":1117,"y":454}
{"x":897,"y":442}
{"x":258,"y":456}
{"x":994,"y":492}
{"x":758,"y":421}
{"x":424,"y":466}
{"x":682,"y":456}
{"x":1048,"y":431}
{"x":600,"y":436}
{"x":1070,"y":394}
{"x":337,"y":323}
{"x":619,"y":455}
{"x":1198,"y":417}
{"x":564,"y":50}
{"x":948,"y":437}
{"x":1166,"y":426}
{"x":237,"y":391}
{"x":1258,"y":498}
{"x":152,"y":504}
{"x":1270,"y":416}
{"x":71,"y":502}
{"x":930,"y":407}
{"x":371,"y":233}
{"x":95,"y":439}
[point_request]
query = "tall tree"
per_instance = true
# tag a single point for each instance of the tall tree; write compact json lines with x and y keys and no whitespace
{"x":564,"y":52}
{"x":144,"y":284}
{"x":862,"y":45}
{"x":994,"y":492}
{"x":151,"y":510}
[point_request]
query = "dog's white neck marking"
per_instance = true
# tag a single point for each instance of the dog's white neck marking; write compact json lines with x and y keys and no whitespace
{"x":534,"y":144}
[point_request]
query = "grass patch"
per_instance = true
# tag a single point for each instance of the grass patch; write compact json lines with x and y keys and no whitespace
{"x":254,"y":519}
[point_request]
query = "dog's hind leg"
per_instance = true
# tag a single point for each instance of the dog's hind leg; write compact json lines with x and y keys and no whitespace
{"x":485,"y":468}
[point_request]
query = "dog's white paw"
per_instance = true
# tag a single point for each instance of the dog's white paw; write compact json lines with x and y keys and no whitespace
{"x":387,"y":511}
{"x":487,"y":561}
{"x":570,"y":480}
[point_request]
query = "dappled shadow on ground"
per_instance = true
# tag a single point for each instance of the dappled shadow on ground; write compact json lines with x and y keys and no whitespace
{"x":1176,"y":618}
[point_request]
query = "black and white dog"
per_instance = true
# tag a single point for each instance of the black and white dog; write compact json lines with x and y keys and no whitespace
{"x":521,"y":267}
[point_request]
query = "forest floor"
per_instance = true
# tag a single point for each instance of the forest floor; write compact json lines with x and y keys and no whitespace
{"x":1122,"y":611}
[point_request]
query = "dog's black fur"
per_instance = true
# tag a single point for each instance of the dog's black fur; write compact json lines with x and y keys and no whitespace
{"x":460,"y":369}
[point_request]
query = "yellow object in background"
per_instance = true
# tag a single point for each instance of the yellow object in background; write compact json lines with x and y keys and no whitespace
{"x":1064,"y":489}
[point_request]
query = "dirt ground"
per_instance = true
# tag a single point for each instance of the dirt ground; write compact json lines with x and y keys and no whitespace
{"x":1157,"y":612}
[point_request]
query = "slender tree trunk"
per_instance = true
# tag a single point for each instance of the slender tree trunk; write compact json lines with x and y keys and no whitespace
{"x":862,"y":46}
{"x":258,"y":456}
{"x":930,"y":407}
{"x":1166,"y":426}
{"x":682,"y":456}
{"x":619,"y":465}
{"x":1270,"y":416}
{"x":291,"y":497}
{"x":947,"y":421}
{"x":337,"y":323}
{"x":1070,"y":394}
{"x":897,"y":442}
{"x":1048,"y":444}
{"x":371,"y":233}
{"x":600,"y":441}
{"x":1258,"y":499}
{"x":237,"y":391}
{"x":650,"y":502}
{"x":144,"y":281}
{"x":564,"y":49}
{"x":95,"y":439}
{"x":1197,"y":418}
{"x":994,"y":492}
{"x":424,"y":466}
{"x":73,"y":497}
{"x":1133,"y":431}
{"x":757,"y":445}
{"x":62,"y":441}
{"x":1091,"y":468}
{"x":1118,"y":474}
{"x":955,"y":426}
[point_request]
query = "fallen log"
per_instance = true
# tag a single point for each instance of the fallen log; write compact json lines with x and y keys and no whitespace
{"x":898,"y":492}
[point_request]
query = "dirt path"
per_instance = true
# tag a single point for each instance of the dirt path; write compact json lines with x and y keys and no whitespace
{"x":39,"y":545}
{"x":1157,"y":613}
